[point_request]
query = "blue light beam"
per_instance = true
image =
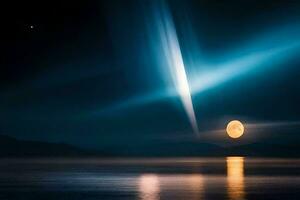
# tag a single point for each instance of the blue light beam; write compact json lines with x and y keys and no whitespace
{"x":173,"y":56}
{"x":220,"y":73}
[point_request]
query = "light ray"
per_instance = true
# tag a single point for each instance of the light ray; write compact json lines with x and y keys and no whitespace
{"x":198,"y":74}
{"x":202,"y":81}
{"x":173,"y":56}
{"x":223,"y":72}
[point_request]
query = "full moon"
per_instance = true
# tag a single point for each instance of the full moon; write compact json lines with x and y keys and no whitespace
{"x":235,"y":129}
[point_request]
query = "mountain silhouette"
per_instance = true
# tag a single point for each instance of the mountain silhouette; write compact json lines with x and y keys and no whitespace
{"x":11,"y":147}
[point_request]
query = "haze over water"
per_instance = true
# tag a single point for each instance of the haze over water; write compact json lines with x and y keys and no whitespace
{"x":232,"y":178}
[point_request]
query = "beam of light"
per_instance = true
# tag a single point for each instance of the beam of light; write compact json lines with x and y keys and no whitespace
{"x":217,"y":74}
{"x":173,"y":56}
{"x":223,"y":72}
{"x":170,"y":57}
{"x":264,"y":52}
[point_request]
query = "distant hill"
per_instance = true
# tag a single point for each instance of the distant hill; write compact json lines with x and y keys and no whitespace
{"x":205,"y":149}
{"x":11,"y":147}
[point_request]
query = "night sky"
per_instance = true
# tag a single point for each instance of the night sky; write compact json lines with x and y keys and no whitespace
{"x":93,"y":73}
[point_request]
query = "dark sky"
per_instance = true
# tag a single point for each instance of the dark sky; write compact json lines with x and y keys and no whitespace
{"x":65,"y":65}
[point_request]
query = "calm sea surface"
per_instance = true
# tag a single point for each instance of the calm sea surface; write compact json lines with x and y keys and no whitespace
{"x":150,"y":179}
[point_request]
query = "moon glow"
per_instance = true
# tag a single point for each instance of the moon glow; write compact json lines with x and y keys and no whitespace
{"x":235,"y":129}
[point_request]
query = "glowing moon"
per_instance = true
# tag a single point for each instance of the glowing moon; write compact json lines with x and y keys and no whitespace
{"x":235,"y":129}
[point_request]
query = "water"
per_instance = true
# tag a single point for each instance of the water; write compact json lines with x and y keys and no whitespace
{"x":230,"y":178}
